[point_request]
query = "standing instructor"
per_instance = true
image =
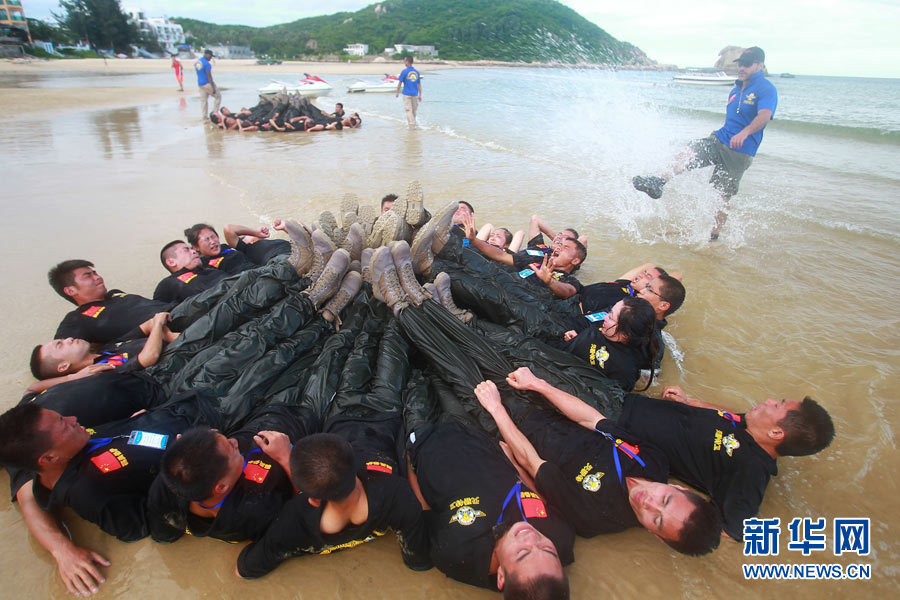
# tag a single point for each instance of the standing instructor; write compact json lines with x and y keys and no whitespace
{"x":206,"y":84}
{"x":411,"y":84}
{"x":751,"y":105}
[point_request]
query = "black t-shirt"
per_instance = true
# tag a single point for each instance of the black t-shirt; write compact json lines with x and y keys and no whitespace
{"x":707,"y":451}
{"x":229,"y":261}
{"x":297,"y":531}
{"x":580,"y":475}
{"x":617,"y":361}
{"x":601,"y":296}
{"x":256,"y":498}
{"x":262,"y":251}
{"x":102,"y":398}
{"x":107,"y":482}
{"x":184,"y":283}
{"x":116,"y":317}
{"x":466,"y":478}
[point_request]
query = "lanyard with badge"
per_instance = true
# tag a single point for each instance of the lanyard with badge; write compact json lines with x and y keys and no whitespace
{"x":146,"y":439}
{"x":620,"y":445}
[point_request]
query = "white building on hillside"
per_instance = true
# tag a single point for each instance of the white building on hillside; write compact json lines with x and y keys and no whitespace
{"x":167,"y":33}
{"x":357,"y":49}
{"x":232,"y":51}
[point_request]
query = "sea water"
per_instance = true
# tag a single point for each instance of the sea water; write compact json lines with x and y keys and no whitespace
{"x":797,"y":298}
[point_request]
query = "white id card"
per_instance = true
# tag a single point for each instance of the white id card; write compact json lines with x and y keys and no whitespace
{"x":596,"y":317}
{"x":148,"y":440}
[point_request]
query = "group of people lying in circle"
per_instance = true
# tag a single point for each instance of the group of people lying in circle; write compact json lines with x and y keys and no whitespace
{"x":285,"y":112}
{"x":359,"y":376}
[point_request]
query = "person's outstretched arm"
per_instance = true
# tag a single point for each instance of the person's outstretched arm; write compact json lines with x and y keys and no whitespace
{"x":572,"y":407}
{"x":676,"y":394}
{"x":523,"y":451}
{"x":77,"y":566}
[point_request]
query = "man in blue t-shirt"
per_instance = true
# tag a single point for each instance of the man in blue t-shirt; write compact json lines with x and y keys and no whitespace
{"x":751,"y":105}
{"x":206,"y":84}
{"x":411,"y":84}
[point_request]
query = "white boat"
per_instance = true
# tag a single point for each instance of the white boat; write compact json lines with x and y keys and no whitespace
{"x":388,"y":83}
{"x":311,"y":85}
{"x":704,"y":77}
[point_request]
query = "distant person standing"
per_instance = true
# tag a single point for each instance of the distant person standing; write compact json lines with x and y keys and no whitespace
{"x":751,"y":104}
{"x":179,"y":73}
{"x":206,"y":84}
{"x":411,"y":84}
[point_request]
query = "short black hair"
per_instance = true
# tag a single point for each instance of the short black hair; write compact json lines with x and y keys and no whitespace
{"x":573,"y":231}
{"x":61,"y":276}
{"x":21,"y":442}
{"x":192,"y":233}
{"x":164,"y":253}
{"x":192,"y":464}
{"x":341,"y":104}
{"x":37,"y":369}
{"x":542,"y":587}
{"x":671,"y":290}
{"x":388,"y":198}
{"x":323,"y":466}
{"x":702,"y":531}
{"x":471,"y":208}
{"x":507,"y":236}
{"x":807,"y":430}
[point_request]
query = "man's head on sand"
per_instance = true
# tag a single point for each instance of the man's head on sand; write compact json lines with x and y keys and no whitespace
{"x":529,"y":563}
{"x":77,"y":281}
{"x":177,"y":255}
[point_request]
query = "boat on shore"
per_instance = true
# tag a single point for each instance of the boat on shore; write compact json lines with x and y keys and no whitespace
{"x":388,"y":83}
{"x":704,"y":77}
{"x":311,"y":85}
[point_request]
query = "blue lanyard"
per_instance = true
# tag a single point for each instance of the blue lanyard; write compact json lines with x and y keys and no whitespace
{"x":516,"y":491}
{"x":222,"y":501}
{"x":730,"y":417}
{"x":94,"y":444}
{"x":629,"y":289}
{"x":618,"y":444}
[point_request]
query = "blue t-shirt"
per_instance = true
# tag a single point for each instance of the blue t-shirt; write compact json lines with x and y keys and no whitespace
{"x":203,"y":69}
{"x":410,"y":78}
{"x":759,"y":93}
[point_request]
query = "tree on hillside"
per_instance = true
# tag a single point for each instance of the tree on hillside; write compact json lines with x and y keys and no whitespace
{"x":99,"y":22}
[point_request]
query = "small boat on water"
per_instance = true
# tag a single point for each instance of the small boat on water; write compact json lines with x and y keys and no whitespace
{"x":310,"y":85}
{"x":787,"y":76}
{"x":704,"y":77}
{"x":388,"y":83}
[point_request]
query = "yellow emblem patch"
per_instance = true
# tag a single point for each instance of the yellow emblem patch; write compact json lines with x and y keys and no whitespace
{"x":466,"y":515}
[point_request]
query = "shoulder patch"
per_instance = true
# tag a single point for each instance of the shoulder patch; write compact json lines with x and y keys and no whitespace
{"x":375,"y":465}
{"x":257,"y":471}
{"x":533,"y":506}
{"x":93,"y":311}
{"x":187,"y":277}
{"x":214,"y":263}
{"x":111,"y":460}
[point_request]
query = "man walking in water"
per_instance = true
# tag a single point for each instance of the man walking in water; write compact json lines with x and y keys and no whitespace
{"x":411,"y":84}
{"x":206,"y":84}
{"x":751,"y":105}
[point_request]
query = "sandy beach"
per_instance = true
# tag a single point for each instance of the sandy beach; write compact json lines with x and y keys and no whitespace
{"x":107,"y":161}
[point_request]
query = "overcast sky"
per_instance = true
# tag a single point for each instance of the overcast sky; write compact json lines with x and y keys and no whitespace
{"x":815,"y":37}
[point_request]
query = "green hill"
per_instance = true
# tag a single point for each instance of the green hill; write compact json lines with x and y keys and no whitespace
{"x":506,"y":30}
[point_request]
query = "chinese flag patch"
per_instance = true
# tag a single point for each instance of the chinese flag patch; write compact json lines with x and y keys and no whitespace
{"x":117,"y":361}
{"x":94,"y":311}
{"x":214,"y":263}
{"x":186,"y":277}
{"x":534,"y":508}
{"x":633,"y":449}
{"x":255,"y":472}
{"x":106,"y":462}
